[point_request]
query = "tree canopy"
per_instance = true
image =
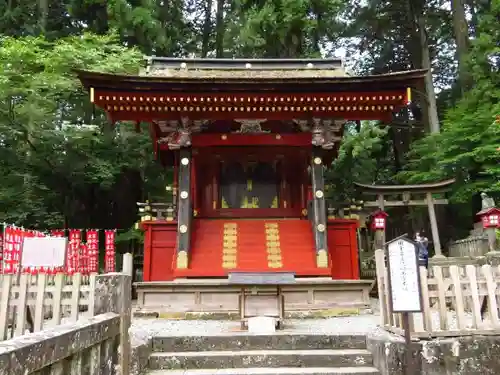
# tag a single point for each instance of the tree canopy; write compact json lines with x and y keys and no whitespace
{"x":65,"y":166}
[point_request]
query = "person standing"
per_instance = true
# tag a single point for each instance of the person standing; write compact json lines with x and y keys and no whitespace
{"x":422,"y":246}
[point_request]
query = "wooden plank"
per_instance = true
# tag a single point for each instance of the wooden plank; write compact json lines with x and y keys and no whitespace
{"x":390,"y":315}
{"x":491,"y":287}
{"x":39,"y":303}
{"x":56,"y":299}
{"x":75,"y":297}
{"x":474,"y":288}
{"x":457,"y":287}
{"x":6,"y":286}
{"x":441,"y":289}
{"x":91,"y":296}
{"x":426,"y":308}
{"x":383,"y":298}
{"x":21,"y":304}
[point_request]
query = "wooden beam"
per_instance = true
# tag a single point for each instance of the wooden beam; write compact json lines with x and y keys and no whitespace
{"x":422,"y":202}
{"x":319,"y":208}
{"x":262,"y":139}
{"x":148,"y":113}
{"x":184,"y":209}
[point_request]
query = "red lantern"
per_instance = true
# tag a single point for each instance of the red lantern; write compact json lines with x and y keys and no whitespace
{"x":379,"y":219}
{"x":490,"y":217}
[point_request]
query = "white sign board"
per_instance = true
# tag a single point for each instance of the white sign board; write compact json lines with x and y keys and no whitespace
{"x":404,"y":276}
{"x":44,"y":252}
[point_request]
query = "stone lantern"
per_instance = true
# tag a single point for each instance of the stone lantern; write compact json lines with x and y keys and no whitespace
{"x":378,"y":224}
{"x":490,"y":217}
{"x":379,"y":219}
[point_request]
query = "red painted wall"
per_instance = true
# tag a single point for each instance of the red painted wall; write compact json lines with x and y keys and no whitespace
{"x":159,"y":250}
{"x":343,"y":249}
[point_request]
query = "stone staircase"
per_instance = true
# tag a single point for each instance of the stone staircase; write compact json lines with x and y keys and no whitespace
{"x":242,"y":354}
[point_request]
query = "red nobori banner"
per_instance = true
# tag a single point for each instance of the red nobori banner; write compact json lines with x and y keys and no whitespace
{"x":109,"y":256}
{"x":93,"y":250}
{"x":73,"y":254}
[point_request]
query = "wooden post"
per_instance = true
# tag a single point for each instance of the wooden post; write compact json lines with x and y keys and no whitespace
{"x":319,"y":208}
{"x":184,"y":209}
{"x":128,"y":264}
{"x":434,"y":227}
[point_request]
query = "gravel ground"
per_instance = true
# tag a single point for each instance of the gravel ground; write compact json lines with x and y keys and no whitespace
{"x":142,"y":329}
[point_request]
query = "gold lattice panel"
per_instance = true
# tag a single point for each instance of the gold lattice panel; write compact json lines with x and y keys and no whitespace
{"x":230,"y":245}
{"x":273,"y":245}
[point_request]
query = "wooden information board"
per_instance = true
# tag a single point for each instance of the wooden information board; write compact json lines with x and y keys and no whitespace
{"x":404,"y":276}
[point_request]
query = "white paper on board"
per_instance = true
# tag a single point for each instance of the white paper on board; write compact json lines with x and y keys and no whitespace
{"x":404,"y":270}
{"x":43,"y":252}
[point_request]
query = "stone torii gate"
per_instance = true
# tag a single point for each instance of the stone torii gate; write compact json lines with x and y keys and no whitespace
{"x":407,"y":192}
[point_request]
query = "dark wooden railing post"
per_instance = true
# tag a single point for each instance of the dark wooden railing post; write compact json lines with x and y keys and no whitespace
{"x":319,"y":208}
{"x":184,"y":208}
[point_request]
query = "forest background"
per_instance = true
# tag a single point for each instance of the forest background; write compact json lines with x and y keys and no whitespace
{"x":62,"y":167}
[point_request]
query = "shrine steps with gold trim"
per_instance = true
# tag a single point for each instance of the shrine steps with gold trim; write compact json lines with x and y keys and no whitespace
{"x":221,"y":246}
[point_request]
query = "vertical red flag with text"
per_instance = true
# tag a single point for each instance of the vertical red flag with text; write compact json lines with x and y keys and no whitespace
{"x":19,"y":234}
{"x":109,"y":256}
{"x":84,"y":259}
{"x":2,"y":236}
{"x":93,"y":250}
{"x":73,"y":254}
{"x":8,"y":250}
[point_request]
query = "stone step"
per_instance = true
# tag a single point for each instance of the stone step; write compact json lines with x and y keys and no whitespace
{"x":250,"y":342}
{"x":274,"y":371}
{"x":260,"y":358}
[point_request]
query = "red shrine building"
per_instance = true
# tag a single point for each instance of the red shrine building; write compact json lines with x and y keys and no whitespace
{"x":249,"y":141}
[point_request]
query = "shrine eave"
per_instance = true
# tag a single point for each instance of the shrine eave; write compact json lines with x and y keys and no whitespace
{"x":254,"y":84}
{"x":436,"y":187}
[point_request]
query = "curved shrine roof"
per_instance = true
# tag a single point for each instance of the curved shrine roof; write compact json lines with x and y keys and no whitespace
{"x":327,"y":75}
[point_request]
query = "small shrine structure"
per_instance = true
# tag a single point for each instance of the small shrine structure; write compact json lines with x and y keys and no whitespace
{"x":249,"y":141}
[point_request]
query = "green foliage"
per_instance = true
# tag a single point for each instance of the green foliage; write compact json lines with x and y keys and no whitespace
{"x":468,"y":147}
{"x":62,"y":166}
{"x":355,"y":162}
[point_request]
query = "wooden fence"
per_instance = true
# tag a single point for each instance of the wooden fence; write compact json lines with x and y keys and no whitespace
{"x":35,"y":302}
{"x":90,"y":345}
{"x":454,"y":300}
{"x":469,"y":247}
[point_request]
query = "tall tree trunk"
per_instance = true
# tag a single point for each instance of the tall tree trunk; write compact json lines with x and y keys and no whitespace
{"x":43,"y":6}
{"x":418,"y":48}
{"x":461,"y":30}
{"x":219,"y":29}
{"x":207,"y":28}
{"x":429,"y":84}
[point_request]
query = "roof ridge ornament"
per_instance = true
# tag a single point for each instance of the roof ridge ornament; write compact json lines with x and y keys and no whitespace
{"x":323,"y":133}
{"x":251,"y":126}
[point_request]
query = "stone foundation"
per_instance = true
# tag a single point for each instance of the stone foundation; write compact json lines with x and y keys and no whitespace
{"x":471,"y":355}
{"x":218,"y":296}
